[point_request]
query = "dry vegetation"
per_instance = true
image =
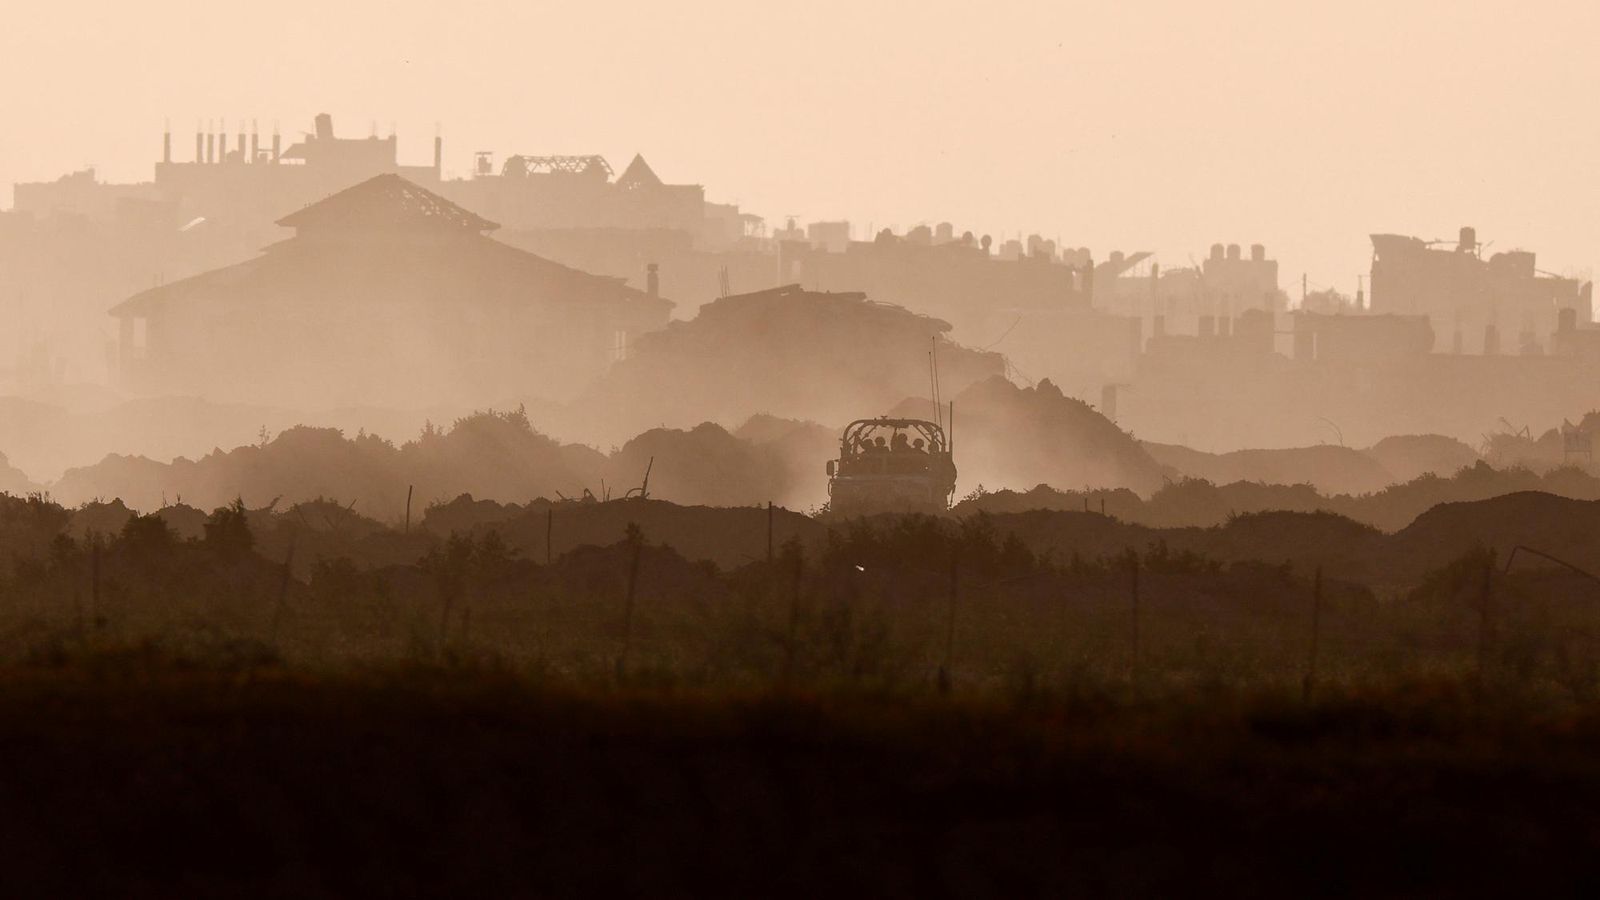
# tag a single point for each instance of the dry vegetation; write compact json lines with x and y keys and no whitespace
{"x":998,"y":704}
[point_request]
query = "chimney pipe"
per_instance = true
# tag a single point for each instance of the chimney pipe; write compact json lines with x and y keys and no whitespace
{"x":255,"y":142}
{"x":199,"y":146}
{"x":275,"y":145}
{"x":211,"y":147}
{"x":438,"y":156}
{"x":652,"y":280}
{"x":166,"y":145}
{"x":242,"y":157}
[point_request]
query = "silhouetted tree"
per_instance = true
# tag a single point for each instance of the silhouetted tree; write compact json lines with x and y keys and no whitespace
{"x":147,"y":536}
{"x":228,"y":531}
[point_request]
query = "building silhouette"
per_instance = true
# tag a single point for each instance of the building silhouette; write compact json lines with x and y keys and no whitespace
{"x":386,"y":293}
{"x":1502,"y":304}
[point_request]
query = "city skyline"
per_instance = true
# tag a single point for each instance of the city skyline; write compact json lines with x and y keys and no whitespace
{"x":1415,"y":121}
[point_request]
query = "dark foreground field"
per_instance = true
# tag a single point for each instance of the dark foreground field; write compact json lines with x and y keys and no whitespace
{"x":1041,"y":703}
{"x":133,"y":779}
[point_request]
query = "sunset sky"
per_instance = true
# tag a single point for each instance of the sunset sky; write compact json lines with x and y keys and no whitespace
{"x":1161,"y":126}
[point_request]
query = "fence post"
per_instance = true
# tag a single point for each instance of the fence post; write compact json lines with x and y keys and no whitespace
{"x":1133,"y":560}
{"x":283,"y":595}
{"x":635,"y":537}
{"x":794,"y":616}
{"x":1484,"y":600}
{"x":946,"y":669}
{"x":1316,"y":627}
{"x":94,"y":588}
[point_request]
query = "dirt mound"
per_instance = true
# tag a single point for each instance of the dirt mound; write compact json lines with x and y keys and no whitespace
{"x":1329,"y":469}
{"x":187,"y":523}
{"x":1120,"y":503}
{"x":140,"y":482}
{"x":1302,"y":540}
{"x":727,"y":537}
{"x":496,"y":456}
{"x":463,"y":515}
{"x":704,"y":466}
{"x":103,"y":519}
{"x":1009,"y":435}
{"x":787,"y":352}
{"x":1193,"y":501}
{"x":1555,"y":525}
{"x":801,"y":450}
{"x":1411,"y":455}
{"x":14,"y":481}
{"x":488,"y":453}
{"x":499,"y":455}
{"x":767,"y":429}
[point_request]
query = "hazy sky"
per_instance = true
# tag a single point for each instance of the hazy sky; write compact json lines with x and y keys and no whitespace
{"x":1164,"y":126}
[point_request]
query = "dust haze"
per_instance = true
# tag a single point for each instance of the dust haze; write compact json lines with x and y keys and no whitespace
{"x":1158,"y":369}
{"x":1301,"y":250}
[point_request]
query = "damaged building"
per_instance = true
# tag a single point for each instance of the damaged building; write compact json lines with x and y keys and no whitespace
{"x":245,"y":180}
{"x":68,"y":245}
{"x":533,"y":193}
{"x":1034,"y":302}
{"x":1177,"y":299}
{"x":387,"y":293}
{"x":1502,"y":304}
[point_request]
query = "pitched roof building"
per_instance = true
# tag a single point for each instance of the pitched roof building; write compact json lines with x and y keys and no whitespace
{"x":638,"y":174}
{"x":386,"y":294}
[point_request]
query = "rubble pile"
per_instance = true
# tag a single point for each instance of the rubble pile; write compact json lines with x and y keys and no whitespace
{"x":1327,"y":468}
{"x":1409,"y":456}
{"x":490,"y":454}
{"x":13,"y":480}
{"x":1010,"y":435}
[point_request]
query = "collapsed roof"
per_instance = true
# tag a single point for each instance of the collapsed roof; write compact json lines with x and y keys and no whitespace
{"x":386,"y":201}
